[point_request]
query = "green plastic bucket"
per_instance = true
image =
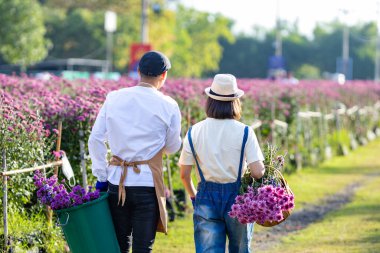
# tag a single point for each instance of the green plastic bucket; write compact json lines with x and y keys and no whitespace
{"x":88,"y":228}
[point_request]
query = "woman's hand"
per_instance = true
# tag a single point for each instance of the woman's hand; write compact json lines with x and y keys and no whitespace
{"x":257,"y":169}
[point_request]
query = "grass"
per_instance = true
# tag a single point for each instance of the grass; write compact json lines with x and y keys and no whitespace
{"x":309,"y":186}
{"x":179,"y":238}
{"x":354,"y":228}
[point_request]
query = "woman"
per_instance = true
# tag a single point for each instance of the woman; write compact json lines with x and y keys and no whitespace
{"x":220,"y":146}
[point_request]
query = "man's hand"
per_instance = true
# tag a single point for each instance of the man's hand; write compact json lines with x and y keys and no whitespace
{"x":101,"y":186}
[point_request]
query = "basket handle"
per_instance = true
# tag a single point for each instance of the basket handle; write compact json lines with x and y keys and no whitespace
{"x":67,"y":220}
{"x":285,"y":183}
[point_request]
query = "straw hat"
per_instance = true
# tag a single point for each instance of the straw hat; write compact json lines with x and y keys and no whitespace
{"x":224,"y":88}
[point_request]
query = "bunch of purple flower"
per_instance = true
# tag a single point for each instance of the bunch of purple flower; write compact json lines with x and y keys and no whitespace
{"x":267,"y":201}
{"x":265,"y":204}
{"x":56,"y":195}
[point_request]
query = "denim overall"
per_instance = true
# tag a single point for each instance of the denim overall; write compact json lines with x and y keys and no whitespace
{"x":211,"y":220}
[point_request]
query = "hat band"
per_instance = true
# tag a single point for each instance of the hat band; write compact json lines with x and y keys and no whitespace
{"x":219,"y":95}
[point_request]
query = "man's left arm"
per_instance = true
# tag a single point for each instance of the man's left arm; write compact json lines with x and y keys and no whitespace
{"x":173,"y":135}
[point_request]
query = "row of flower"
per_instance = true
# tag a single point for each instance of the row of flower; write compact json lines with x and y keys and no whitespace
{"x":79,"y":101}
{"x":31,"y":108}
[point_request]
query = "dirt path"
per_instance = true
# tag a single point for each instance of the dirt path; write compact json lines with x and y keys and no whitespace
{"x":265,"y":240}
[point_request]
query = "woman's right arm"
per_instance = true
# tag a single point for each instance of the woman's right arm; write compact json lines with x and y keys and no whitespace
{"x":187,"y":181}
{"x":186,"y":161}
{"x":254,"y":156}
{"x":257,"y":169}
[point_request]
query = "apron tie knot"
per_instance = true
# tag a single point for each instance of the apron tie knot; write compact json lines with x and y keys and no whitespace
{"x":117,"y":161}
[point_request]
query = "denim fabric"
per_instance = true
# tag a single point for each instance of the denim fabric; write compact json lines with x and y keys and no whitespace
{"x":212,"y":224}
{"x":135,"y":222}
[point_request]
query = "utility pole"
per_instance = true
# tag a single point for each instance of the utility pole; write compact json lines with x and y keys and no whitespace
{"x":144,"y":21}
{"x":278,"y":31}
{"x":344,"y":64}
{"x":377,"y":55}
{"x":345,"y":45}
{"x":110,"y":25}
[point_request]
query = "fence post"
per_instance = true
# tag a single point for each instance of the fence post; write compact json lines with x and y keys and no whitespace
{"x":82,"y":159}
{"x":298,"y":155}
{"x":272,"y":126}
{"x":58,"y":146}
{"x":5,"y":201}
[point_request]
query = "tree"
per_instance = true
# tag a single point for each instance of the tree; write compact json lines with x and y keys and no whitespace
{"x":247,"y":57}
{"x":188,"y":37}
{"x":22,"y":32}
{"x":197,"y":50}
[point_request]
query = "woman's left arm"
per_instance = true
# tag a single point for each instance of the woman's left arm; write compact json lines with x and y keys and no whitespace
{"x":187,"y":181}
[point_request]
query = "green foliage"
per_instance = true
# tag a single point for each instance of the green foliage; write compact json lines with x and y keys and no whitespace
{"x":69,"y":32}
{"x":22,"y":32}
{"x":183,"y":35}
{"x":23,"y":148}
{"x":308,"y":71}
{"x":247,"y":57}
{"x":308,"y":57}
{"x":31,"y":231}
{"x":201,"y":32}
{"x":339,"y":140}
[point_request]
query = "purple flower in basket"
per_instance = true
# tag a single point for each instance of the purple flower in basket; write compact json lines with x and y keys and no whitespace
{"x":56,"y":195}
{"x":267,"y":199}
{"x":267,"y":205}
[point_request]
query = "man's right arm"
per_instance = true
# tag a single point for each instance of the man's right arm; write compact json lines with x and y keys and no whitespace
{"x":97,"y":147}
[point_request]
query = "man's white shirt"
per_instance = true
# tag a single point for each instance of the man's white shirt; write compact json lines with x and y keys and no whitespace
{"x":136,"y":123}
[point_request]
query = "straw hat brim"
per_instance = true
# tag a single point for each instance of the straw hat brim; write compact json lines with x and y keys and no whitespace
{"x":237,"y":95}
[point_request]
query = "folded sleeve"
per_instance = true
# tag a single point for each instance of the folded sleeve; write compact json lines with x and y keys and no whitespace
{"x":252,"y":149}
{"x":186,"y":157}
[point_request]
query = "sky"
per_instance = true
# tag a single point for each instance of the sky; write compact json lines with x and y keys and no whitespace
{"x":247,"y":13}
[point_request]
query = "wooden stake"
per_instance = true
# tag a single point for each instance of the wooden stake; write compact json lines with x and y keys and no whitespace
{"x":82,"y":160}
{"x":49,"y":212}
{"x":45,"y":166}
{"x":169,"y":176}
{"x":5,"y":202}
{"x":58,"y":147}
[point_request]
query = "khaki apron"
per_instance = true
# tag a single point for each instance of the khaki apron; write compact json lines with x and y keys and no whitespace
{"x":155,"y":165}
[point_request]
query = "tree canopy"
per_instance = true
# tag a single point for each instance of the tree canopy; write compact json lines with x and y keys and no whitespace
{"x":198,"y":43}
{"x":22,"y":32}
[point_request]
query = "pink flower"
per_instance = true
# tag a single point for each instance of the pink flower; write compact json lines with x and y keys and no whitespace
{"x":57,"y":154}
{"x":280,"y":191}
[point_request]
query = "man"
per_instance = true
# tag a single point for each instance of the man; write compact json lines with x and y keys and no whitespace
{"x":139,"y":124}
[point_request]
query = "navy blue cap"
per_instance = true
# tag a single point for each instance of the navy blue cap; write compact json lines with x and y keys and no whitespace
{"x":154,"y":63}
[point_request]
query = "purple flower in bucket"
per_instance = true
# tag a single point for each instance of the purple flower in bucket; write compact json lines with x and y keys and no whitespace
{"x":55,"y":195}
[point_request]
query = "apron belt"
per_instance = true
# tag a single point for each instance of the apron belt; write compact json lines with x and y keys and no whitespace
{"x":117,"y":161}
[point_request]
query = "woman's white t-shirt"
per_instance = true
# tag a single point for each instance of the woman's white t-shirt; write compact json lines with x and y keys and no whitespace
{"x":218,"y":144}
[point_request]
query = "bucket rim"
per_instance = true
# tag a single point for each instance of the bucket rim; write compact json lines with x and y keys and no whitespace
{"x":92,"y":202}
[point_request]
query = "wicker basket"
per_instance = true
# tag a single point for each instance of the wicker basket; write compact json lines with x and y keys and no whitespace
{"x":285,"y":214}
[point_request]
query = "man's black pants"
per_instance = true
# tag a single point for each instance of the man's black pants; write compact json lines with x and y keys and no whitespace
{"x":135,"y":222}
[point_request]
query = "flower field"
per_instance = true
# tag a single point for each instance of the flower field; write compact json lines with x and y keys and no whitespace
{"x":311,"y":121}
